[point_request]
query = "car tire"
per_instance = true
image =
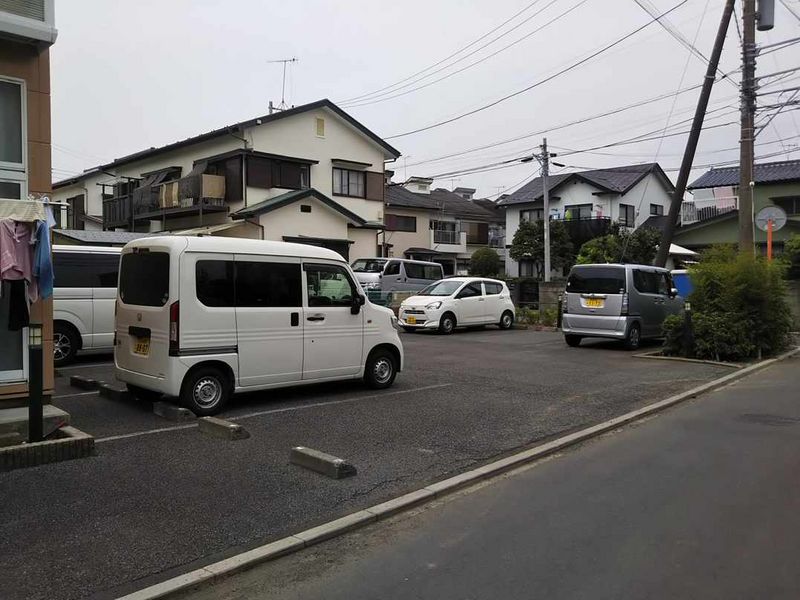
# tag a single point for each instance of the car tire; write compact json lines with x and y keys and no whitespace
{"x":380,"y":370}
{"x":143,"y":394}
{"x":66,"y":342}
{"x":506,"y":320}
{"x":206,"y":391}
{"x":573,"y":340}
{"x":409,"y":329}
{"x":634,"y":337}
{"x":447,"y":323}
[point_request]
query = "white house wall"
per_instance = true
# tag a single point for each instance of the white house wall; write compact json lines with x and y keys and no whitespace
{"x":403,"y":240}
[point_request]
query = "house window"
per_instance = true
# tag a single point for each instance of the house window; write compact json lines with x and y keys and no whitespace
{"x":401,"y":223}
{"x":13,"y":181}
{"x":790,"y":204}
{"x":477,"y":233}
{"x":320,"y":127}
{"x":532,"y":215}
{"x":656,"y":210}
{"x":349,"y":183}
{"x":577,"y":211}
{"x":627,"y":215}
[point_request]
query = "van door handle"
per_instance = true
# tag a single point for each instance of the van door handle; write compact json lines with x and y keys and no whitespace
{"x":316,"y":318}
{"x":481,"y":299}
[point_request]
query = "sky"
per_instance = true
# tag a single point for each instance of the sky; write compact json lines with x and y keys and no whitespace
{"x":131,"y":74}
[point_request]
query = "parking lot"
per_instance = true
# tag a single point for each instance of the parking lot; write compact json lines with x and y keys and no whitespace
{"x":160,"y":498}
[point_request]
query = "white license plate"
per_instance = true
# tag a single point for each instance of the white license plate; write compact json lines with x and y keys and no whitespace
{"x":142,"y":346}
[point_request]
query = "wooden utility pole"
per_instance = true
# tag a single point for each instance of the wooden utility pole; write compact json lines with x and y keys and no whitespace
{"x":748,"y":106}
{"x":694,"y":136}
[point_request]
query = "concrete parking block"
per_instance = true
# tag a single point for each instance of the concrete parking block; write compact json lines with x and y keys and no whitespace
{"x":173,"y":413}
{"x":256,"y":555}
{"x":114,"y":391}
{"x":83,"y":383}
{"x":326,"y":464}
{"x":222,"y":429}
{"x":404,"y":502}
{"x":334,"y":528}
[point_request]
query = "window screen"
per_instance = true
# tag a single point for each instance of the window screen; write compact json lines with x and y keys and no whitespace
{"x":144,"y":278}
{"x":84,"y":270}
{"x":214,"y":282}
{"x":265,"y":284}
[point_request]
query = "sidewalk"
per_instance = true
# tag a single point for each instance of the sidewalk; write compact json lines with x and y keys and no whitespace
{"x":700,"y":502}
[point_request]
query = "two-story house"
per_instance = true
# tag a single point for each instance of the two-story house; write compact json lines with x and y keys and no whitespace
{"x":588,"y":202}
{"x":711,"y":216}
{"x":438,"y":225}
{"x":309,"y":174}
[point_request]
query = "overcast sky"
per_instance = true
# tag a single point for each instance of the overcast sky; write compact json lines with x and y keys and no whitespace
{"x":131,"y":74}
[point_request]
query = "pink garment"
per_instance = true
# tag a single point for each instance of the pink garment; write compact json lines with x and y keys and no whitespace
{"x":16,"y":255}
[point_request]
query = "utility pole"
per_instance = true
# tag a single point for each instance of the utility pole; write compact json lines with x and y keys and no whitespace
{"x":694,"y":136}
{"x":748,"y":106}
{"x":546,"y":208}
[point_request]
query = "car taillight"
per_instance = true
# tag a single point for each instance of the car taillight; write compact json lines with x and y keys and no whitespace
{"x":564,"y":304}
{"x":624,"y":310}
{"x":174,"y":328}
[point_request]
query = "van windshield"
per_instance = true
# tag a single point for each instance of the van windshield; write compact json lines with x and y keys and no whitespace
{"x":441,"y":288}
{"x":368,"y":265}
{"x":144,"y":278}
{"x":592,"y":279}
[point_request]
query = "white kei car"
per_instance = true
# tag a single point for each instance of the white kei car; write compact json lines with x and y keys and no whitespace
{"x":458,"y":302}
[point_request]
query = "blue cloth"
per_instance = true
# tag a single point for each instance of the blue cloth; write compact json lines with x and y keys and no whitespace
{"x":43,"y":261}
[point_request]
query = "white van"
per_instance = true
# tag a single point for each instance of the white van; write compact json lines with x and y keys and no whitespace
{"x":85,"y":288}
{"x":200,"y":318}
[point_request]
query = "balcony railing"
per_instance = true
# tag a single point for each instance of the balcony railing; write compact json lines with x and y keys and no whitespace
{"x":694,"y":211}
{"x":441,"y":236}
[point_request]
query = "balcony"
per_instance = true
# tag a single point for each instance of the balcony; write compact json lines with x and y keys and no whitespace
{"x":189,"y":196}
{"x":694,"y":211}
{"x":443,"y":240}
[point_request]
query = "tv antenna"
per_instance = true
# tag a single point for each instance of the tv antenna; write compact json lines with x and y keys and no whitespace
{"x":282,"y":105}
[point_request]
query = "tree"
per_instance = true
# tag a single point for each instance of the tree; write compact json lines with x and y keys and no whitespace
{"x":621,"y":245}
{"x":485,"y":262}
{"x":528,"y":244}
{"x":791,"y":252}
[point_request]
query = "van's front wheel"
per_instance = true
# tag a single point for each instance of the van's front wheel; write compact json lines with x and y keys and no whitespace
{"x":205,"y":391}
{"x":380,"y":370}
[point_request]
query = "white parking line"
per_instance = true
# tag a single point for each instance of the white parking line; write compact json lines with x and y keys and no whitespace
{"x":74,"y":395}
{"x":261,"y":413}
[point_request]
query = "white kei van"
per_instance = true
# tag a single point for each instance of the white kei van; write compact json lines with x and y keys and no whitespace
{"x":200,"y":318}
{"x":85,"y":288}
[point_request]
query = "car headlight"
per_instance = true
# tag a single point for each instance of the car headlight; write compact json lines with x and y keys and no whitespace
{"x":434,"y":305}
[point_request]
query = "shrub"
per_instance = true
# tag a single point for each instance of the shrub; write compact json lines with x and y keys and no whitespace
{"x":485,"y":262}
{"x":738,"y":308}
{"x":791,"y":253}
{"x":621,"y":245}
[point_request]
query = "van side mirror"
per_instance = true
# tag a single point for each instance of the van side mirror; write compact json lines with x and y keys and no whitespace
{"x":358,"y":302}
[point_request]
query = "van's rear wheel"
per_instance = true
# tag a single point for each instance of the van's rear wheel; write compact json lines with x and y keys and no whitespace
{"x":380,"y":370}
{"x":205,"y":391}
{"x":573,"y":340}
{"x":634,"y":337}
{"x":66,"y":342}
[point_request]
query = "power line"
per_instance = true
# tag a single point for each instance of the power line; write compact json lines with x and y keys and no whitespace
{"x":472,"y":64}
{"x":790,"y":9}
{"x":538,"y":83}
{"x":456,"y":53}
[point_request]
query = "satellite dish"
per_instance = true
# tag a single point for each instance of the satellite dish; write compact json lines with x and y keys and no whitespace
{"x":771,"y":213}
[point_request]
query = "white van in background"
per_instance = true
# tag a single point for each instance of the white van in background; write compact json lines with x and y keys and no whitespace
{"x":396,"y":274}
{"x":85,"y":288}
{"x":201,"y":318}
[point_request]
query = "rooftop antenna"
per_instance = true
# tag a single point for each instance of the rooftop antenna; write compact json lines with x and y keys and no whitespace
{"x":282,"y":105}
{"x":453,"y":183}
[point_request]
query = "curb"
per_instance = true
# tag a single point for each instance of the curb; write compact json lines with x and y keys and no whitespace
{"x":378,"y":512}
{"x":656,"y":355}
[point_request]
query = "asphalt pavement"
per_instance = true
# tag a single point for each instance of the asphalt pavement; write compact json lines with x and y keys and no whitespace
{"x":699,"y":502}
{"x":160,"y":499}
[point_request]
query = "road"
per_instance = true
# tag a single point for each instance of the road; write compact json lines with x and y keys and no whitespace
{"x":699,"y":502}
{"x":160,"y":499}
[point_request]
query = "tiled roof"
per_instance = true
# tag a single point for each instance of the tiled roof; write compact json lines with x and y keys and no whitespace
{"x":440,"y":200}
{"x":617,"y":180}
{"x":774,"y":172}
{"x":100,"y":238}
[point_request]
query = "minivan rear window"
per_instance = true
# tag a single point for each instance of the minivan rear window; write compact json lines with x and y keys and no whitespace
{"x":596,"y":280}
{"x":144,"y":278}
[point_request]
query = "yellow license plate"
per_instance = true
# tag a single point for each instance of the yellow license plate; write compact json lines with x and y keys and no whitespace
{"x":142,"y":346}
{"x":411,"y":320}
{"x":594,"y":303}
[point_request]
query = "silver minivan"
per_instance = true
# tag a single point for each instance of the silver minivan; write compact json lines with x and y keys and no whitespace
{"x":396,"y":274}
{"x":624,"y":302}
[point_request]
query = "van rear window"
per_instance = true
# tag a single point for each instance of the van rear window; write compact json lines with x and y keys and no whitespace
{"x":144,"y":278}
{"x":596,"y":280}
